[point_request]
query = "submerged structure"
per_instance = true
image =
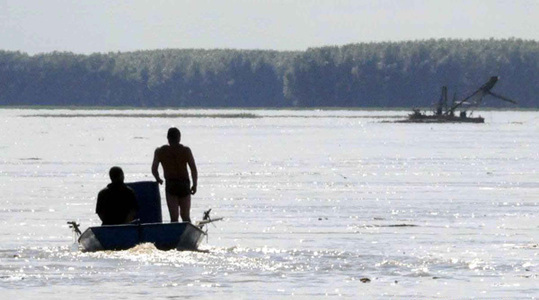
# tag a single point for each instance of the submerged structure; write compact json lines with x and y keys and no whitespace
{"x":149,"y":227}
{"x":443,"y":113}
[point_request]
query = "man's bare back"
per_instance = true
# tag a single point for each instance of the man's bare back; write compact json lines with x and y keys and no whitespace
{"x":175,"y":158}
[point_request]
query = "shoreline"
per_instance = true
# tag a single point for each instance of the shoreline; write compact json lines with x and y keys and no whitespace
{"x":74,"y":108}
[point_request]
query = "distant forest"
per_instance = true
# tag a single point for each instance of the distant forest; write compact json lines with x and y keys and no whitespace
{"x":391,"y":74}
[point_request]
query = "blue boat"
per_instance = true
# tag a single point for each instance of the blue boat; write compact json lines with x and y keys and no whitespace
{"x":148,"y":229}
{"x":165,"y":236}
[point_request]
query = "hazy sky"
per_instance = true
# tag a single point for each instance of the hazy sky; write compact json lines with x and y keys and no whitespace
{"x":86,"y":26}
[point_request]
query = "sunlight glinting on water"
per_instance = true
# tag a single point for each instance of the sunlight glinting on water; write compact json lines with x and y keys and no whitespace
{"x":315,"y":203}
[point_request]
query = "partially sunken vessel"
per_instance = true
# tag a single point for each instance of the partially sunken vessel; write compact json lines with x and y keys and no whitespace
{"x":444,"y":113}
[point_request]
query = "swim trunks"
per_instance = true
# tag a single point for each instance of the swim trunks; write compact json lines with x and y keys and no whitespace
{"x":178,"y":187}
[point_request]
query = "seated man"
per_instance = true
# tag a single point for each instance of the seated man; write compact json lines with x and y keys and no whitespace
{"x":116,"y":204}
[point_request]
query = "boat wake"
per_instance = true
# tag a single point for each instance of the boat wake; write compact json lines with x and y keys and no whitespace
{"x":41,"y":267}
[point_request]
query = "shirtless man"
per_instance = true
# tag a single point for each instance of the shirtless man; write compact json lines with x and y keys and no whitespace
{"x":175,"y":158}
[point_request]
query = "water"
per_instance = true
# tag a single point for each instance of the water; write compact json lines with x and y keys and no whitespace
{"x":315,"y":203}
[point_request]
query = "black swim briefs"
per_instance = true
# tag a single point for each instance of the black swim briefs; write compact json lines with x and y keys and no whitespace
{"x":178,"y":187}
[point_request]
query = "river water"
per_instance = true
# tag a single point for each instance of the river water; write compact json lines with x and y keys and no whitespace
{"x":317,"y":203}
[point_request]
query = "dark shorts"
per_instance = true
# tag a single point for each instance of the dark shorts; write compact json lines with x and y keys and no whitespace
{"x":178,"y":187}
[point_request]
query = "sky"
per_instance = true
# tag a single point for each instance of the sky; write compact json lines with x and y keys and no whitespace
{"x":89,"y":26}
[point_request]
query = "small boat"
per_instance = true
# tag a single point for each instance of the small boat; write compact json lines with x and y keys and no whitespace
{"x":165,"y":236}
{"x":149,"y":227}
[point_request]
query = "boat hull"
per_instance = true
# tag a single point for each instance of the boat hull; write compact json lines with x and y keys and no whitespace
{"x":165,"y":236}
{"x":441,"y":119}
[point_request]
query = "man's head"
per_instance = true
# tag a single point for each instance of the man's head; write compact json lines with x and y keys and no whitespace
{"x":116,"y":175}
{"x":173,"y":135}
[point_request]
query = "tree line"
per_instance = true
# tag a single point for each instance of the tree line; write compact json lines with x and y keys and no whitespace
{"x":389,"y":74}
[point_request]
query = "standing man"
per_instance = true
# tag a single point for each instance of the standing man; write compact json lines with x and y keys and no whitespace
{"x":175,"y":158}
{"x":117,"y":203}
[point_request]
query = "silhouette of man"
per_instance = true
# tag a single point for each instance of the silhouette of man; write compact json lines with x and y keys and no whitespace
{"x":116,"y":204}
{"x":174,"y":159}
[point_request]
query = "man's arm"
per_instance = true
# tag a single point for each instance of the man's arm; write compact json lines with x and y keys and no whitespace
{"x":99,"y":209}
{"x":155,"y":167}
{"x":194,"y":172}
{"x":130,"y":216}
{"x":133,"y":207}
{"x":133,"y":210}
